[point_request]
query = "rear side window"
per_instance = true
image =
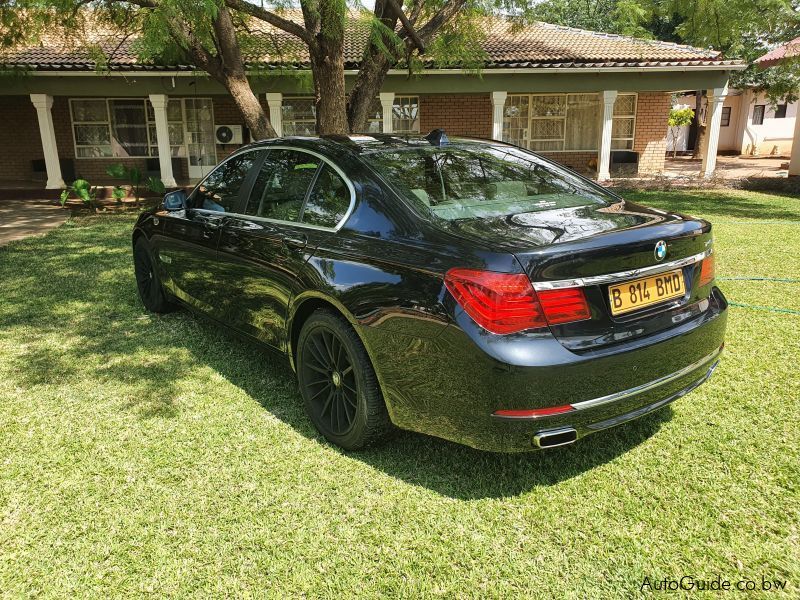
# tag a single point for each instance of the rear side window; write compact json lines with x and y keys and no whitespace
{"x":329,"y":199}
{"x":220,"y":190}
{"x":281,"y":185}
{"x":482,"y":181}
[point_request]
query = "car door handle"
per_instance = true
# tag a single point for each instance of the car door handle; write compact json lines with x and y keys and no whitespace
{"x":299,"y":242}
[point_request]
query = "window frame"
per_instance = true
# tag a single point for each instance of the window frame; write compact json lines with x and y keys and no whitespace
{"x":526,"y":143}
{"x":763,"y":111}
{"x":780,"y":108}
{"x":284,"y":121}
{"x":725,"y":117}
{"x":152,"y":142}
{"x":418,"y":120}
{"x":242,"y":204}
{"x":632,"y":138}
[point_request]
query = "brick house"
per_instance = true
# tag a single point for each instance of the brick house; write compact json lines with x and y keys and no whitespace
{"x":595,"y":102}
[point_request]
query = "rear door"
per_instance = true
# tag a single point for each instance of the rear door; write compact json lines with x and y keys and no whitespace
{"x":188,"y":249}
{"x":296,"y":203}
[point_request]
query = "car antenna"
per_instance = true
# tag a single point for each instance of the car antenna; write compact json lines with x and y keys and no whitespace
{"x":437,"y":137}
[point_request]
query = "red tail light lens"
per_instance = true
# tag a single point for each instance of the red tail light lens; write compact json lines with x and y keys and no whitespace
{"x":506,"y":302}
{"x":564,"y":306}
{"x":535,"y":412}
{"x":707,"y":270}
{"x":498,"y":302}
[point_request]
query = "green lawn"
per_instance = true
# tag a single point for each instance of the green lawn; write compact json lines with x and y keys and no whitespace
{"x":146,"y":455}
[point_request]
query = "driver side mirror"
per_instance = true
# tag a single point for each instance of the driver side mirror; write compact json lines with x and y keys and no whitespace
{"x":175,"y":200}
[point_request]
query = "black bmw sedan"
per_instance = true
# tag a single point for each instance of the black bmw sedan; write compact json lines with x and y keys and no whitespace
{"x":461,"y":288}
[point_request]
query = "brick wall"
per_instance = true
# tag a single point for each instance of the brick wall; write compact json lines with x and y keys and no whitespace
{"x":20,"y":142}
{"x":650,"y":140}
{"x":458,"y":114}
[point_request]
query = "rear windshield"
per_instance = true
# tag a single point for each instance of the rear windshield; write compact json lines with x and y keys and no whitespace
{"x":482,"y":181}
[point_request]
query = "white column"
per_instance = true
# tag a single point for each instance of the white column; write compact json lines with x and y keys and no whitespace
{"x":716,"y":97}
{"x":604,"y":157}
{"x":159,"y":102}
{"x":387,"y":104}
{"x":794,"y":161}
{"x":44,"y":105}
{"x":498,"y":104}
{"x":274,"y":101}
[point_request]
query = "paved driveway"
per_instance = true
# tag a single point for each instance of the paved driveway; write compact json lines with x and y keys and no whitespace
{"x":23,"y":218}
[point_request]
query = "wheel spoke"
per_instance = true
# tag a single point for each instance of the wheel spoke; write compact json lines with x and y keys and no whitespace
{"x":350,"y":400}
{"x":327,"y":402}
{"x":347,"y":371}
{"x":317,"y":369}
{"x":319,"y":353}
{"x":325,"y":389}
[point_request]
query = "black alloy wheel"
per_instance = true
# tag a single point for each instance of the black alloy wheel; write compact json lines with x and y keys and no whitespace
{"x":147,"y":280}
{"x":338,"y":384}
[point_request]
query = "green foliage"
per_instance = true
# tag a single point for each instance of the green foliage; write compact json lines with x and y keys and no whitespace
{"x":119,"y":193}
{"x":82,"y":190}
{"x":133,"y":175}
{"x":155,"y":185}
{"x":680,"y":117}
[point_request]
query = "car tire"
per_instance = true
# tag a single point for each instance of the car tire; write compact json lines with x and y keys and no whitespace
{"x":338,"y":383}
{"x":148,"y":281}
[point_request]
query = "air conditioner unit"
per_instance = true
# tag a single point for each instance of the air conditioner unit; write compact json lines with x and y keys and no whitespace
{"x":228,"y":134}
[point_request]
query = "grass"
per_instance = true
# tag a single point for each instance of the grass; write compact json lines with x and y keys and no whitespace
{"x":144,"y":455}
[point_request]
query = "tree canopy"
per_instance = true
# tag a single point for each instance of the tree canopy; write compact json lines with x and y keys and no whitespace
{"x":744,"y":29}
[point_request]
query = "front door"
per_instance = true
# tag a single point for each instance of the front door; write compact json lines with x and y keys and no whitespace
{"x":188,"y":250}
{"x":200,"y":144}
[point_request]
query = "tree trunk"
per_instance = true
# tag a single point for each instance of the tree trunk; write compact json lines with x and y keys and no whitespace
{"x":227,"y":68}
{"x":253,"y":113}
{"x":701,"y":127}
{"x":374,"y":67}
{"x":366,"y":89}
{"x":327,"y":67}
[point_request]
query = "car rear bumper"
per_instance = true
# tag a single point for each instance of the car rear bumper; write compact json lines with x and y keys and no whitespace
{"x":453,"y":385}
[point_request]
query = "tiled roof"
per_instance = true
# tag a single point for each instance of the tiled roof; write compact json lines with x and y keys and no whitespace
{"x":506,"y":45}
{"x":773,"y":57}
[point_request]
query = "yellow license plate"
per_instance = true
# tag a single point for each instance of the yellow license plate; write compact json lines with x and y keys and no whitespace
{"x":639,"y":293}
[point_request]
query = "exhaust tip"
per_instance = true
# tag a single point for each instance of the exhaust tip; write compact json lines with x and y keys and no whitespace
{"x":555,"y":437}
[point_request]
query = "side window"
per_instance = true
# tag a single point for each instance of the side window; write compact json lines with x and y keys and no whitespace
{"x":220,"y":190}
{"x":281,"y":185}
{"x":328,"y":201}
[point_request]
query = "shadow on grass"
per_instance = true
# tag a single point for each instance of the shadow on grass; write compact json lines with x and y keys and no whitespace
{"x":75,"y":319}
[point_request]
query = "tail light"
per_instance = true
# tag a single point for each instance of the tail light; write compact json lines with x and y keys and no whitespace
{"x":707,"y":270}
{"x":506,"y":302}
{"x":564,"y":305}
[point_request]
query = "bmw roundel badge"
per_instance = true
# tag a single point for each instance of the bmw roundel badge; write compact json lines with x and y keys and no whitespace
{"x":661,"y":250}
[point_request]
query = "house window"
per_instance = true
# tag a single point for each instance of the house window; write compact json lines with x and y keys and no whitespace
{"x":299,"y":116}
{"x":405,"y":114}
{"x":726,"y":116}
{"x":758,"y":114}
{"x":122,"y":127}
{"x":566,"y":122}
{"x":623,"y":124}
{"x":780,"y":111}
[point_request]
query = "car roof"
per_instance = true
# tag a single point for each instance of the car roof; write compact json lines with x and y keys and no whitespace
{"x":366,"y":143}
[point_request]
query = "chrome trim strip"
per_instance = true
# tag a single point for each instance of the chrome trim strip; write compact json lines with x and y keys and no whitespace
{"x":622,"y":275}
{"x":646,"y":386}
{"x":324,"y":159}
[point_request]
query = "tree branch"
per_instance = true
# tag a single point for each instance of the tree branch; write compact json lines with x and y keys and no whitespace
{"x":273,"y":19}
{"x":412,"y":34}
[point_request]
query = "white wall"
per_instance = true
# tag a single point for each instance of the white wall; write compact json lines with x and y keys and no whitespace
{"x":774,"y":136}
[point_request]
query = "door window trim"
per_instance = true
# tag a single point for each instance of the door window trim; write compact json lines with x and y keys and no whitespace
{"x":239,"y":203}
